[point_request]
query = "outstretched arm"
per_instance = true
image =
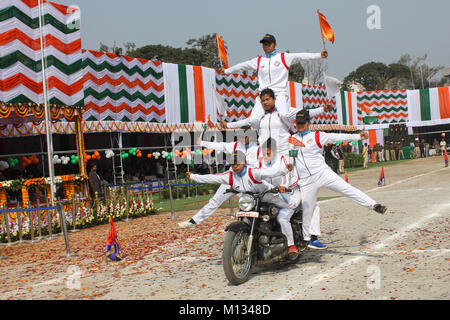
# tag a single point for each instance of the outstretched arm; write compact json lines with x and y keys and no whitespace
{"x":250,"y":65}
{"x":227,"y":147}
{"x":280,"y":168}
{"x":293,"y":58}
{"x":222,"y":178}
{"x":326,"y":138}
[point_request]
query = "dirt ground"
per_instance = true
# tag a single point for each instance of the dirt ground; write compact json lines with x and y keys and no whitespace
{"x":403,"y":254}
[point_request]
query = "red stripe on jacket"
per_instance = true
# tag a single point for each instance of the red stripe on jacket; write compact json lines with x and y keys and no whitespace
{"x":250,"y":174}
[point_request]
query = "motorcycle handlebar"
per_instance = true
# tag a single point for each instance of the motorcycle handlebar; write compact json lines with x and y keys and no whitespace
{"x":274,"y":190}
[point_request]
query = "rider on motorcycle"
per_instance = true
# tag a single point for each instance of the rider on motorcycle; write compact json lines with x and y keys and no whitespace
{"x":252,"y":152}
{"x":290,"y":180}
{"x":243,"y":178}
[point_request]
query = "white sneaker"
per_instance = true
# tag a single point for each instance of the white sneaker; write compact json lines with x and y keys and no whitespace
{"x":186,"y":224}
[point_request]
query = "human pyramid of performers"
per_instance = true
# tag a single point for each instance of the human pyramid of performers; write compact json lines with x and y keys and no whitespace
{"x":258,"y":166}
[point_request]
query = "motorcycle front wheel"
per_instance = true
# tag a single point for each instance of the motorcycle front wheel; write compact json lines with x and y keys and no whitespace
{"x":237,"y":263}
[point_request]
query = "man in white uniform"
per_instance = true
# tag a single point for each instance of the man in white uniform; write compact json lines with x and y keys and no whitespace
{"x":289,"y":181}
{"x":315,"y":174}
{"x":270,"y":125}
{"x":273,"y":73}
{"x":252,"y":154}
{"x":243,"y":178}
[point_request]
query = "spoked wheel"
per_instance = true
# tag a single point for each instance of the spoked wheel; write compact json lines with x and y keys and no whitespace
{"x":237,"y":263}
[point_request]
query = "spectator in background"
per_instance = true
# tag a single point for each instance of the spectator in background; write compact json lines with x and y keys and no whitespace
{"x":334,"y":157}
{"x":422,"y":148}
{"x":159,"y":169}
{"x":341,"y":157}
{"x":376,"y":151}
{"x":393,"y":153}
{"x":400,"y":150}
{"x":95,"y":183}
{"x":365,"y":154}
{"x":417,"y":148}
{"x":369,"y":152}
{"x":436,"y":146}
{"x":387,"y":149}
{"x":381,"y":153}
{"x":443,"y":146}
{"x":427,"y":149}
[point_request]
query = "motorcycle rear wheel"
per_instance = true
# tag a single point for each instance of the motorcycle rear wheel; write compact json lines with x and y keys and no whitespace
{"x":237,"y":263}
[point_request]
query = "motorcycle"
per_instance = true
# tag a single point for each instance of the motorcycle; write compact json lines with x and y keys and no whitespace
{"x":256,"y":237}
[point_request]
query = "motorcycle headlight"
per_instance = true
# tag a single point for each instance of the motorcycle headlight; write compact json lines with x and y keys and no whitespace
{"x":247,"y":202}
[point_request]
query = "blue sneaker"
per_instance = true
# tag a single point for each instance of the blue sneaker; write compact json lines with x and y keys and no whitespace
{"x":316,"y":244}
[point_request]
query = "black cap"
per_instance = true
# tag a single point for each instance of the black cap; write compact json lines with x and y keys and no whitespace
{"x":238,"y":157}
{"x":302,"y":116}
{"x":269,"y":38}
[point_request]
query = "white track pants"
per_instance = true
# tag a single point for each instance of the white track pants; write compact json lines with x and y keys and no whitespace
{"x":310,"y":186}
{"x":213,"y":204}
{"x":285,"y":214}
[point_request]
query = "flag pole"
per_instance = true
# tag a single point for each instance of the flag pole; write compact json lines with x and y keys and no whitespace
{"x":320,"y":26}
{"x":48,"y":132}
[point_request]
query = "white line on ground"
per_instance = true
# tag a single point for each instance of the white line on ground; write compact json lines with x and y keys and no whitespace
{"x":435,"y":212}
{"x":387,"y":186}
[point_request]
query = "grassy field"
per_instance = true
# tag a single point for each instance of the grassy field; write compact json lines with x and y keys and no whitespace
{"x":197,"y":202}
{"x":378,"y":164}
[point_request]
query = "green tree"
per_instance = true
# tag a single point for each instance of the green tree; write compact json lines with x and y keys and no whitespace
{"x":103,"y":47}
{"x":296,"y":73}
{"x":406,"y":73}
{"x":372,"y":76}
{"x":420,"y":74}
{"x":129,"y":46}
{"x":170,"y":55}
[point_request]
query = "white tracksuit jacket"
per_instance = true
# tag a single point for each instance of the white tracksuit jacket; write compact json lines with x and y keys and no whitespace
{"x":251,"y":179}
{"x":271,"y":125}
{"x":315,"y":173}
{"x":273,"y":73}
{"x":253,"y":158}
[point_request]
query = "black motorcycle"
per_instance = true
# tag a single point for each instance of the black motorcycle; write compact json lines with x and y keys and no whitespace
{"x":256,"y":237}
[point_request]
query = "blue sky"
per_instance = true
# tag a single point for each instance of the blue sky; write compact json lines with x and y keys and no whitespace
{"x":407,"y":26}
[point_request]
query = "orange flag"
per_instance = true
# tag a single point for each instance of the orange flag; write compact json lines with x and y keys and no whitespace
{"x":446,"y":157}
{"x":327,"y":32}
{"x":222,"y":51}
{"x":296,"y":142}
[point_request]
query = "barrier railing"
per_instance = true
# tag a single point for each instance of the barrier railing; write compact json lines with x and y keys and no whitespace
{"x":24,"y":211}
{"x":40,"y":222}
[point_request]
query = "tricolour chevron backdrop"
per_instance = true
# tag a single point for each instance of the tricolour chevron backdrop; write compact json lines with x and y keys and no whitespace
{"x":135,"y":95}
{"x":120,"y":88}
{"x":315,"y":97}
{"x":20,"y":54}
{"x":239,"y":92}
{"x":389,"y":106}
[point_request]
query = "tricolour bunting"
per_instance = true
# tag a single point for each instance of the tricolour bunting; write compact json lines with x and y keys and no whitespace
{"x":430,"y":105}
{"x":316,"y":97}
{"x":121,"y":88}
{"x":20,"y":52}
{"x":346,"y":108}
{"x":190,"y":97}
{"x":240,"y":92}
{"x":389,"y":106}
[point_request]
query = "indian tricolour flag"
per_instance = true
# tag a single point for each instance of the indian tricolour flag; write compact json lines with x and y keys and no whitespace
{"x":295,"y":95}
{"x":189,"y":96}
{"x":346,"y":105}
{"x":431,"y":105}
